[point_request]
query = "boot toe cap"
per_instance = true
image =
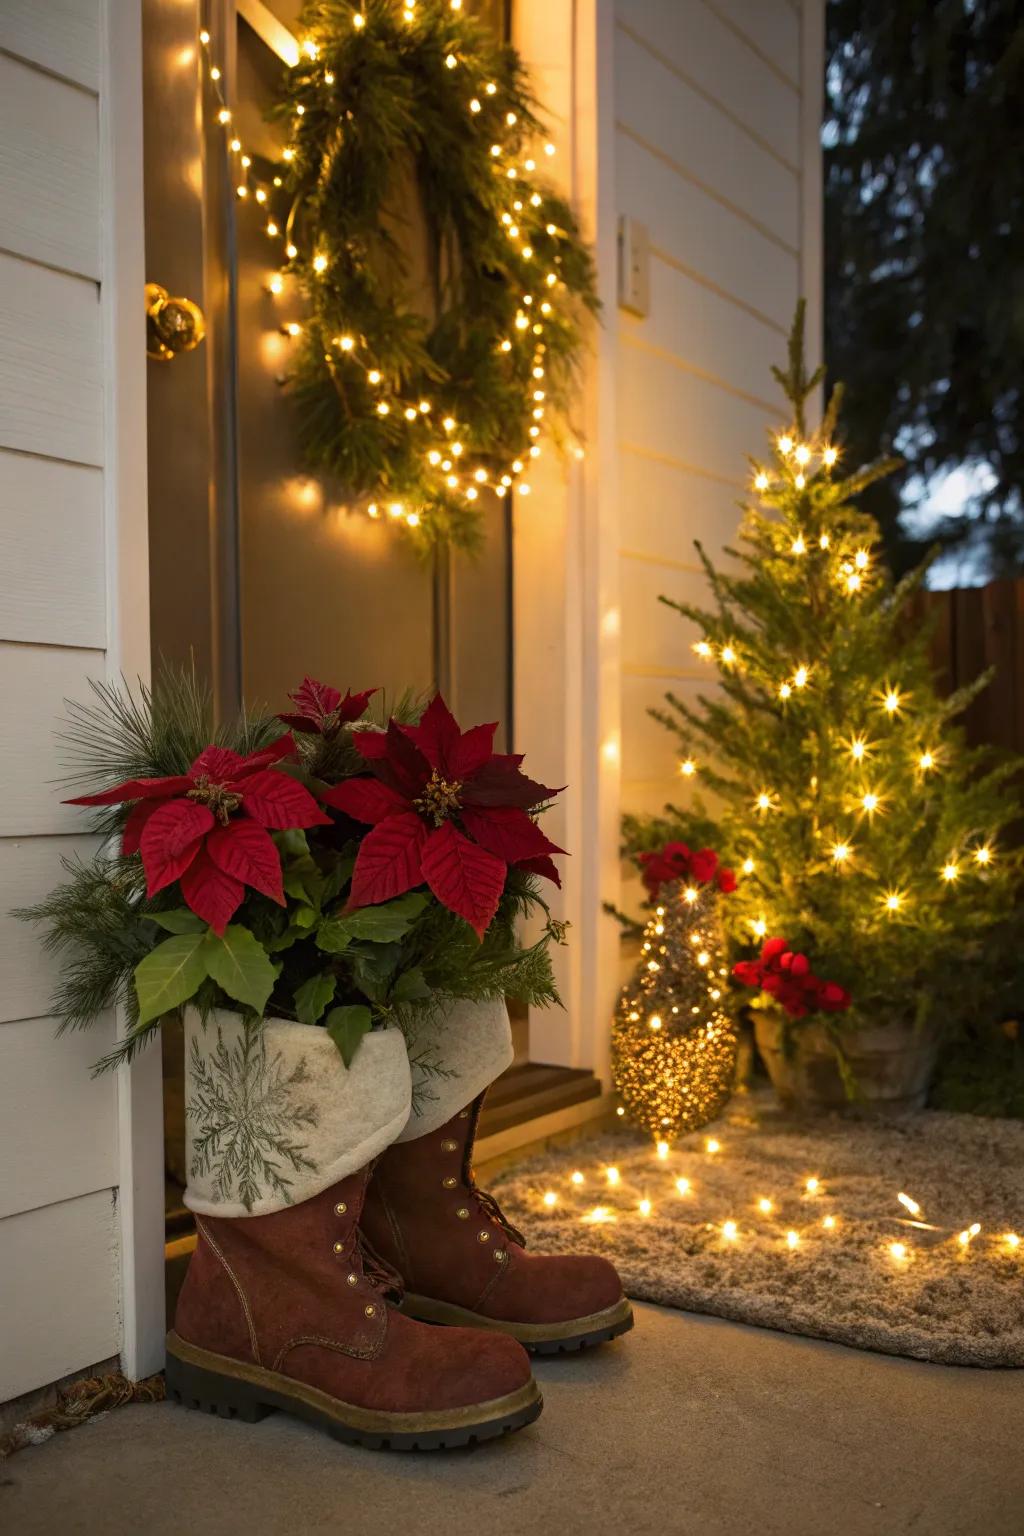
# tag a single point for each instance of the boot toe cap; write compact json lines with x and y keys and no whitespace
{"x":494,"y":1363}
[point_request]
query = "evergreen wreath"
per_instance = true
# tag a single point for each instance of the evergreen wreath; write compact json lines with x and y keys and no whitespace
{"x":419,"y":395}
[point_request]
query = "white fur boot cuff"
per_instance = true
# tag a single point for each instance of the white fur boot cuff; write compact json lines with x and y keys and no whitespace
{"x":453,"y":1057}
{"x":273,"y":1116}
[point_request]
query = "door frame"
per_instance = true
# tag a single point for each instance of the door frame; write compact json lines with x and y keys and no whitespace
{"x":566,"y":666}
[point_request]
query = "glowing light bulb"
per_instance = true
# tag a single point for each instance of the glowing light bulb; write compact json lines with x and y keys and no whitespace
{"x":728,"y":655}
{"x":373,"y":510}
{"x":785,"y":444}
{"x":926,"y":761}
{"x":803,"y":454}
{"x":760,"y":927}
{"x":702,"y":648}
{"x":730,"y":1231}
{"x":870,"y":802}
{"x":858,"y":748}
{"x":763,"y":801}
{"x":223,"y":116}
{"x":688,"y":768}
{"x":293,"y":328}
{"x":425,"y":410}
{"x":1012,"y":1240}
{"x":841,"y":852}
{"x":413,"y":520}
{"x":411,"y":414}
{"x":785,"y":691}
{"x":612,"y":1175}
{"x":860,"y":559}
{"x":893,"y":901}
{"x":511,"y":119}
{"x":690,"y":894}
{"x":909,"y":1204}
{"x":449,"y":423}
{"x":748,"y":866}
{"x":828,"y":1222}
{"x":950,"y":871}
{"x":683,"y":1186}
{"x":320,"y":263}
{"x":898,"y":1250}
{"x":853,"y":582}
{"x":798,"y":547}
{"x":235,"y":145}
{"x":824,"y":541}
{"x":450,"y":61}
{"x":662,"y":1150}
{"x":892,"y":700}
{"x":792,"y":1239}
{"x":829,"y":457}
{"x":475,"y":106}
{"x":383,"y":409}
{"x":272,"y":229}
{"x":654,"y":1022}
{"x":215,"y":75}
{"x":373,"y":376}
{"x":291,"y":251}
{"x":800,"y":677}
{"x":491,"y":88}
{"x":813,"y":1186}
{"x":576,"y":1177}
{"x":983,"y":855}
{"x":599,"y":1214}
{"x":972,"y":1231}
{"x":550,"y":1198}
{"x":765,"y":1206}
{"x":328,"y":77}
{"x":799,"y":481}
{"x":276,"y":283}
{"x":204,"y":37}
{"x":712,"y":1146}
{"x":644,"y":1207}
{"x":761,"y":481}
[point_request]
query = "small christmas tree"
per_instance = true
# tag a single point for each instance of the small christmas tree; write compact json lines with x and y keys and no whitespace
{"x":862,"y":827}
{"x":673,"y":1045}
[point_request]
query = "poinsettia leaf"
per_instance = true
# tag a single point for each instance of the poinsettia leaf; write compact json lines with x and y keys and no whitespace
{"x":371,"y":745}
{"x":346,"y":1027}
{"x":365,"y":800}
{"x":333,"y":936}
{"x":410,"y":987}
{"x":170,"y":841}
{"x":275,"y":799}
{"x":388,"y":862}
{"x":179,"y":920}
{"x":276,"y":752}
{"x":218,"y":764}
{"x":406,"y":768}
{"x":472,"y":751}
{"x":209,"y":891}
{"x":500,"y":782}
{"x":374,"y":966}
{"x":437,"y":735}
{"x":170,"y":974}
{"x":463,"y":876}
{"x":239,"y":964}
{"x":541,"y":866}
{"x":390,"y":920}
{"x":313,"y":997}
{"x":246,"y":850}
{"x":506,"y":832}
{"x":133,"y":827}
{"x":137,"y":789}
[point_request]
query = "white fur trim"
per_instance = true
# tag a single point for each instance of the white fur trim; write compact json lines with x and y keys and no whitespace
{"x":472,"y":1042}
{"x":273,"y":1116}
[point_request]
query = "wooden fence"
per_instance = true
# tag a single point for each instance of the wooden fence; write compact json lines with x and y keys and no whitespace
{"x":977,"y":628}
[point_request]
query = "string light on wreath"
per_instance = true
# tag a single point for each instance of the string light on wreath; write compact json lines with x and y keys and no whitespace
{"x":373,"y":90}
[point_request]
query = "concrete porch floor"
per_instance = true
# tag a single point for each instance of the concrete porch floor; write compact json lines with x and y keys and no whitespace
{"x":689,"y":1424}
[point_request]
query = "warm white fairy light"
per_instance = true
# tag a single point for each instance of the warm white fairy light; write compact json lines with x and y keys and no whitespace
{"x":858,"y":748}
{"x":576,"y":1177}
{"x":894,"y":901}
{"x":798,"y":546}
{"x":926,"y":761}
{"x":748,"y":866}
{"x":760,"y":927}
{"x":909,"y":1204}
{"x":662,"y":1150}
{"x":728,"y":655}
{"x":712,"y":1145}
{"x":802,"y":454}
{"x":841,"y":853}
{"x":688,"y":768}
{"x":828,"y":1222}
{"x":892,"y":700}
{"x":829,"y":456}
{"x":682,"y":1186}
{"x":898,"y":1250}
{"x":730,"y":1231}
{"x":612,"y":1175}
{"x":813,"y":1185}
{"x":871,"y":802}
{"x":765,"y":1206}
{"x":964,"y":1238}
{"x":792,"y":1239}
{"x":785,"y":444}
{"x":951,"y":871}
{"x":983,"y":855}
{"x":644,"y":1207}
{"x":761,"y":481}
{"x":550,"y":1198}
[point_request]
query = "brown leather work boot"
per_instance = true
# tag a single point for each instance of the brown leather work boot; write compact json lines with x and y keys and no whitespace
{"x":462,"y":1262}
{"x":288,"y":1311}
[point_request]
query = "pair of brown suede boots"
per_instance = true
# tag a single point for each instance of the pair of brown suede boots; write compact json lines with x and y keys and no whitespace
{"x":303,"y":1310}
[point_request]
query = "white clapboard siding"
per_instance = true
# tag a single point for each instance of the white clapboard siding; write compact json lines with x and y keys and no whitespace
{"x":649,"y":751}
{"x":60,"y":1276}
{"x":30,"y":867}
{"x":53,"y":584}
{"x":58,"y":1123}
{"x":62,"y":36}
{"x":769,"y":28}
{"x":34,"y":683}
{"x":703,"y":236}
{"x":49,"y":169}
{"x":51,"y":395}
{"x":695,"y":136}
{"x":676,"y":414}
{"x":710,"y":334}
{"x":718,"y":63}
{"x":665,"y":507}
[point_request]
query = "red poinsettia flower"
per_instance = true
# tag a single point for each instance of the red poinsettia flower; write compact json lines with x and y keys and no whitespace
{"x":321,"y":709}
{"x":676,"y":861}
{"x":787,"y":977}
{"x":207,"y":828}
{"x":445,"y":809}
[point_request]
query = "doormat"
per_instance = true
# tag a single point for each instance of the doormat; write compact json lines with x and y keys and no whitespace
{"x":904,"y":1236}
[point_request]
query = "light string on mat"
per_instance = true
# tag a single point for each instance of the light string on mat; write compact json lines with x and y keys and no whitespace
{"x":618,"y":1204}
{"x":439,"y":454}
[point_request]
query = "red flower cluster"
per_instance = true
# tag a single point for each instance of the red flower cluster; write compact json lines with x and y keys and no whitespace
{"x":677,"y":862}
{"x":788,"y":978}
{"x":208,"y":828}
{"x":445,"y":809}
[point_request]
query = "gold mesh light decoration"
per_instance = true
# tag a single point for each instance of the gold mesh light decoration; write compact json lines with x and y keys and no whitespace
{"x":673,"y":1046}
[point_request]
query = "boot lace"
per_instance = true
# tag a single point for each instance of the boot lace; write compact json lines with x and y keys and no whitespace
{"x":490,"y":1207}
{"x":378,"y":1271}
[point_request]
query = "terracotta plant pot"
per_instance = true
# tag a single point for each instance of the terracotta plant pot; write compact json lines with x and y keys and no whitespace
{"x":892,"y":1064}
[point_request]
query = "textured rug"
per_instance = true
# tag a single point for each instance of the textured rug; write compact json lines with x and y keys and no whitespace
{"x":796,"y":1225}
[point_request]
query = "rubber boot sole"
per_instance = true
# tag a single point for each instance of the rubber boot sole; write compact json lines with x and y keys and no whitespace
{"x":197,"y":1378}
{"x":539,"y":1338}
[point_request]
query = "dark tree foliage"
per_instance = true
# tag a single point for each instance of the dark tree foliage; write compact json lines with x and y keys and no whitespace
{"x":924,"y":159}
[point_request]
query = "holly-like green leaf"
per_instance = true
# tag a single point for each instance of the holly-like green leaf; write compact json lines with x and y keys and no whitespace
{"x":239,"y":963}
{"x":346,"y":1027}
{"x":170,"y":974}
{"x":178,"y":920}
{"x":373,"y":966}
{"x":333,"y":936}
{"x":313,"y":996}
{"x":386,"y":922}
{"x":410,"y":987}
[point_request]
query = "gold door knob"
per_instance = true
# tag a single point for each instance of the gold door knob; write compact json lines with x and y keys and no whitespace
{"x":172,"y":325}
